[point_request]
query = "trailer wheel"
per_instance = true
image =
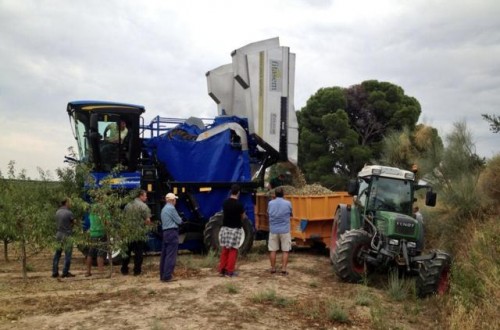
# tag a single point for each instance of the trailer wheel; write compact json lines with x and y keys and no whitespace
{"x":212,"y":230}
{"x":347,"y":260}
{"x":340,"y":225}
{"x":434,"y":275}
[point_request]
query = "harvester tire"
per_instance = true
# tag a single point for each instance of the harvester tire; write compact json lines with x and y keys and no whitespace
{"x":248,"y":232}
{"x":340,"y":225}
{"x":212,"y":229}
{"x":347,"y":263}
{"x":211,"y":232}
{"x":434,"y":275}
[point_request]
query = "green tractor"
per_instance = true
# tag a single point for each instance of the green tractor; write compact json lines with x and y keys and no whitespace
{"x":380,"y":232}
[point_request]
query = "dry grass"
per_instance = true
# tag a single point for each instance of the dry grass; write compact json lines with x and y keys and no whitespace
{"x":476,"y":280}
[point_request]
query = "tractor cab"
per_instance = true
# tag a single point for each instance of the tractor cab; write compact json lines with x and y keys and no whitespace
{"x":107,"y":134}
{"x":383,"y":188}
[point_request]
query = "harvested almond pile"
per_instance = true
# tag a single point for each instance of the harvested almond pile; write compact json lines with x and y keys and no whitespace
{"x":312,"y":189}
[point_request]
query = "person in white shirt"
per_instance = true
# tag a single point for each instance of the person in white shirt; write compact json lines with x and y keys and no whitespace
{"x":116,"y":135}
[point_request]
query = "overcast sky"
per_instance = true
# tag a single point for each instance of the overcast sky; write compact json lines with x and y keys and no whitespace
{"x":445,"y":53}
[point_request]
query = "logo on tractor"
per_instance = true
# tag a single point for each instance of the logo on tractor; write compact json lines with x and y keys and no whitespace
{"x":405,"y":224}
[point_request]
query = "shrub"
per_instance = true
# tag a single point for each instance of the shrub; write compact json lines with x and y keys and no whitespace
{"x":489,"y":183}
{"x":475,"y":285}
{"x":399,"y":288}
{"x":336,"y":313}
{"x":270,"y":296}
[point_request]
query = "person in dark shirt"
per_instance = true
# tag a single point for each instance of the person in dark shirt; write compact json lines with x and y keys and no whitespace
{"x":140,"y":213}
{"x":64,"y":221}
{"x":231,"y":232}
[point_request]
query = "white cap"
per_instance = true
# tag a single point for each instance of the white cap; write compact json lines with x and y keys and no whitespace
{"x":171,"y":196}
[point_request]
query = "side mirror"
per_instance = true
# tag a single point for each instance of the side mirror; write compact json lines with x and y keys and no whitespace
{"x":353,"y":187}
{"x":430,"y":198}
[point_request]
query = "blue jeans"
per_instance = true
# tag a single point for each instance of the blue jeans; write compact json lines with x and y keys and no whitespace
{"x":68,"y":250}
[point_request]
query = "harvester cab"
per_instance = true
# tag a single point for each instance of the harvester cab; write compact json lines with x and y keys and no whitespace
{"x":379,"y":230}
{"x":107,"y":134}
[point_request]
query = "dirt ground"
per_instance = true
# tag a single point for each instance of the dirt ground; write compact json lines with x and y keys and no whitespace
{"x":310,"y":297}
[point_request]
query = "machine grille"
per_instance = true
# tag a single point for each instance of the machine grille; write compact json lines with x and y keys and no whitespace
{"x":405,"y":227}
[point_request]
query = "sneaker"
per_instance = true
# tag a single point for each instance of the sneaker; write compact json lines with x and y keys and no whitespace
{"x":55,"y":275}
{"x":68,"y":275}
{"x":169,"y":280}
{"x":233,"y":274}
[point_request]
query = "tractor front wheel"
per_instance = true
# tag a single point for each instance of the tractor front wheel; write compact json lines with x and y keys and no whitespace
{"x":434,"y":275}
{"x":348,"y":261}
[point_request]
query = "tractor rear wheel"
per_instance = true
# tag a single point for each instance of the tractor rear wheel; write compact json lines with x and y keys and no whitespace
{"x":340,"y":226}
{"x":434,"y":275}
{"x":348,"y":262}
{"x":212,"y":230}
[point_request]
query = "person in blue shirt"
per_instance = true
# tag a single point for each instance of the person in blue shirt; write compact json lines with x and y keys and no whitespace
{"x":170,"y":221}
{"x":280,"y":212}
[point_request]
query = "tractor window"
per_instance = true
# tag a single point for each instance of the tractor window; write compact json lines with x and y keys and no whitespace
{"x":81,"y":138}
{"x":363,"y":192}
{"x":390,"y":195}
{"x":113,"y":143}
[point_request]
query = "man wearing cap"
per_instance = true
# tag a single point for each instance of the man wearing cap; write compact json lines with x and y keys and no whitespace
{"x":140,"y":214}
{"x":170,"y":221}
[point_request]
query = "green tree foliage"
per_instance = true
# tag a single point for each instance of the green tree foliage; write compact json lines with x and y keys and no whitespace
{"x":494,"y":121}
{"x":422,"y":147}
{"x":341,"y":129}
{"x":456,"y":180}
{"x":27,"y":211}
{"x":489,"y":183}
{"x":108,"y":202}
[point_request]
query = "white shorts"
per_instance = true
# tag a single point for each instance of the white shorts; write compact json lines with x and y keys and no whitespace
{"x":280,"y":240}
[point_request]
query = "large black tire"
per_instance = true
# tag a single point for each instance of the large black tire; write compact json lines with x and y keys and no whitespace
{"x":434,"y":275}
{"x":347,"y":261}
{"x":341,"y":224}
{"x":211,"y":232}
{"x":212,"y":229}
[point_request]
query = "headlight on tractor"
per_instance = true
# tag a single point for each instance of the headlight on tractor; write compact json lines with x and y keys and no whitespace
{"x":412,"y":245}
{"x":393,"y":241}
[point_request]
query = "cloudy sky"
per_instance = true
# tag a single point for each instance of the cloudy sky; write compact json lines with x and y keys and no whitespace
{"x":156,"y":53}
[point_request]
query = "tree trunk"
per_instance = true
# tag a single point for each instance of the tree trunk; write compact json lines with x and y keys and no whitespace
{"x":23,"y":259}
{"x":5,"y":249}
{"x":110,"y":256}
